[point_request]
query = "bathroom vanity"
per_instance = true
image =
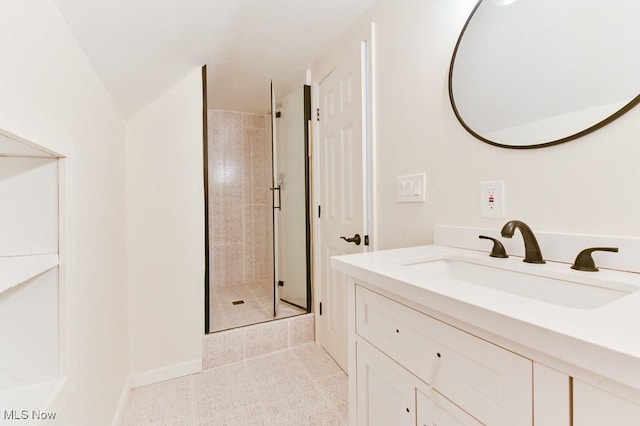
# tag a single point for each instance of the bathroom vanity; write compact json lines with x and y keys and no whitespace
{"x":444,"y":336}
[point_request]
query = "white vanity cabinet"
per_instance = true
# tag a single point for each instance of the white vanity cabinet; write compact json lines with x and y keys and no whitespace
{"x":431,"y":343}
{"x":414,"y":369}
{"x":410,"y":355}
{"x":595,"y":407}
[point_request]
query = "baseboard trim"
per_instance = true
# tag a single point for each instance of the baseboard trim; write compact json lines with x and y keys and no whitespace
{"x":165,"y":373}
{"x":59,"y":396}
{"x":122,"y":402}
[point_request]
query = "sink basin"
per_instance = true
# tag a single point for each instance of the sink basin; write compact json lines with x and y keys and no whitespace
{"x":563,"y":291}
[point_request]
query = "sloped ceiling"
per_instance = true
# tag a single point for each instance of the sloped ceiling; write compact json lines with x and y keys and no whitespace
{"x":141,"y":48}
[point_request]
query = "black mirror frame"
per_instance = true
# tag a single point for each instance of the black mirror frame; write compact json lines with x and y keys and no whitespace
{"x":577,"y":135}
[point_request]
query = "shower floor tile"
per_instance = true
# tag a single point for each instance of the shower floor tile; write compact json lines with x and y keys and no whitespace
{"x":256,"y":307}
{"x":300,"y":386}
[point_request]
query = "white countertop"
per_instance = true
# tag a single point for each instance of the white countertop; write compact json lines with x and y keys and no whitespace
{"x":604,"y":340}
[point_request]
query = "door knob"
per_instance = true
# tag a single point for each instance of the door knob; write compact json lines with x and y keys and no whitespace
{"x":355,"y":239}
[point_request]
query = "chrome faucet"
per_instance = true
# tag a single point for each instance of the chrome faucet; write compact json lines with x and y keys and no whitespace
{"x":531,"y":247}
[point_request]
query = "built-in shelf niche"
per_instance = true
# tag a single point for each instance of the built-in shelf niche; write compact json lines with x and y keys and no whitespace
{"x":29,"y":271}
{"x":14,"y":146}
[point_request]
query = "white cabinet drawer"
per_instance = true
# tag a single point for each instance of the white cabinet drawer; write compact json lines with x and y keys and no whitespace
{"x":491,"y":383}
{"x":439,"y":411}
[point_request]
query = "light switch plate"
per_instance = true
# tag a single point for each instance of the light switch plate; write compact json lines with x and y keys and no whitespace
{"x":411,"y":188}
{"x":492,"y":198}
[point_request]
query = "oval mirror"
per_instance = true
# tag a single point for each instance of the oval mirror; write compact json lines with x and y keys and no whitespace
{"x":534,"y":73}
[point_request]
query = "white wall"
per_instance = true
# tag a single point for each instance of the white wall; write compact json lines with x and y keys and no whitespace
{"x":49,"y":94}
{"x":584,"y":186}
{"x":165,"y":230}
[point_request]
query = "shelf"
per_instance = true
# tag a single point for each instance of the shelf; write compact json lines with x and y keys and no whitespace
{"x":12,"y":146}
{"x":15,"y":270}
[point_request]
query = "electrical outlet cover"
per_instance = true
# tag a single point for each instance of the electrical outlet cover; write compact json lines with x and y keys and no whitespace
{"x":492,"y":198}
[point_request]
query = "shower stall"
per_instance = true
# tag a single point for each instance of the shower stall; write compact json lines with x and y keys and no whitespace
{"x":259,"y":223}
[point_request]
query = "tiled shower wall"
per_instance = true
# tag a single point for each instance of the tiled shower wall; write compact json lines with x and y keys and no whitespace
{"x":240,"y":212}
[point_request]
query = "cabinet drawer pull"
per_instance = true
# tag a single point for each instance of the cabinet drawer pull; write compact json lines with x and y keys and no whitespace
{"x":432,"y":385}
{"x":434,"y":368}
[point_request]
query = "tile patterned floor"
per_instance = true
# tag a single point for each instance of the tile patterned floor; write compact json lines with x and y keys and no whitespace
{"x":257,"y":306}
{"x":299,"y":386}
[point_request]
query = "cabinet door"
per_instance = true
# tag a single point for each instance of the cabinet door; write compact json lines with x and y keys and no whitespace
{"x":551,"y":397}
{"x":439,"y":411}
{"x":595,"y":407}
{"x":385,"y":391}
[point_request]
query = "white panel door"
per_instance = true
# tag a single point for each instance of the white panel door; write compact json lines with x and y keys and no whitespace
{"x":341,"y":193}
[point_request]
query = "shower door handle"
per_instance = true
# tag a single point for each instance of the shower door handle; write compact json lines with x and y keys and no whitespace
{"x":355,"y":239}
{"x":279,"y":206}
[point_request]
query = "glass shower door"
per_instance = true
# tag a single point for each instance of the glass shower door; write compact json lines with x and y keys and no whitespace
{"x":291,"y":200}
{"x":276,"y":200}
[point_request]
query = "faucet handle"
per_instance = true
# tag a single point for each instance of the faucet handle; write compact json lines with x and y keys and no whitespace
{"x":498,"y":249}
{"x":584,"y":261}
